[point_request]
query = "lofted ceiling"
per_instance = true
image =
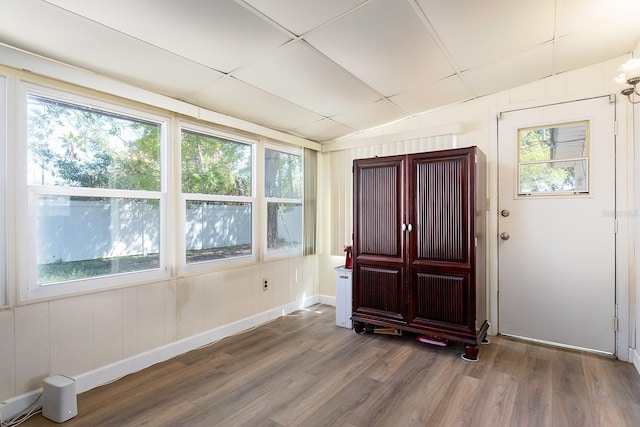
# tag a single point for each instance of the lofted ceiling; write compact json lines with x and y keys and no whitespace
{"x":322,"y":69}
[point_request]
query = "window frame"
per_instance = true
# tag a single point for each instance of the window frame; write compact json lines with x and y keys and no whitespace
{"x":30,"y":289}
{"x":252,"y":258}
{"x":281,"y":253}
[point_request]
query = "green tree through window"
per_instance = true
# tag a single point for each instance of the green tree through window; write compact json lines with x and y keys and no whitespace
{"x":218,"y":189}
{"x":79,"y":147}
{"x":96,"y":180}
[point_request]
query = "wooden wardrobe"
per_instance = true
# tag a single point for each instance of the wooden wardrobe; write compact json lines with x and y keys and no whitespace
{"x":419,"y":245}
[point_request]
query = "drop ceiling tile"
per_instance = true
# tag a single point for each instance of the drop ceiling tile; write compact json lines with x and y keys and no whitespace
{"x":375,"y":114}
{"x":223,"y":35}
{"x":68,"y":38}
{"x":238,"y":99}
{"x":587,"y":39}
{"x":437,"y":94}
{"x":301,"y":16}
{"x":385,"y":45}
{"x":589,"y":47}
{"x":298,"y":74}
{"x":481,"y":32}
{"x":580,"y":15}
{"x":513,"y":71}
{"x":324,"y":130}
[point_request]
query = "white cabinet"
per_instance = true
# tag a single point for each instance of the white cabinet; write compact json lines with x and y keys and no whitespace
{"x":343,"y":297}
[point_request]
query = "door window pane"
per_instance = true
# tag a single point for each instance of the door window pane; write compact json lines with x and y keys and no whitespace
{"x":554,"y":159}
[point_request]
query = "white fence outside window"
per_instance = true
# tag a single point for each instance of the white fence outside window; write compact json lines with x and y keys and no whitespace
{"x":84,"y":230}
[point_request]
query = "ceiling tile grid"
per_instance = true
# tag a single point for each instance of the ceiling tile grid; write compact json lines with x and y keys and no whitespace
{"x":238,"y":99}
{"x":297,"y":73}
{"x":382,"y":111}
{"x":434,"y":95}
{"x":323,"y":69}
{"x":302,"y":16}
{"x":323,"y":130}
{"x":44,"y":29}
{"x":476,"y":33}
{"x":385,"y":45}
{"x":222,"y":35}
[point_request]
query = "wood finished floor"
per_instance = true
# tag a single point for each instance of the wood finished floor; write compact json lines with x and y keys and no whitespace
{"x":302,"y":370}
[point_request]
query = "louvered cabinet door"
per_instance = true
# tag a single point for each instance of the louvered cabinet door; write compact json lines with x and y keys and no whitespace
{"x":379,"y":290}
{"x":441,"y":278}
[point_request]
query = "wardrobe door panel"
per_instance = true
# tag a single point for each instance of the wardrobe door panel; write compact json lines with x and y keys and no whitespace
{"x":441,"y":245}
{"x":379,"y":206}
{"x":441,"y":301}
{"x":440,"y":213}
{"x":379,"y":290}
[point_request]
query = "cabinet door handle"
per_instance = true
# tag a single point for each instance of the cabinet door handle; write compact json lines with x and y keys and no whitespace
{"x":404,"y":227}
{"x":410,"y":227}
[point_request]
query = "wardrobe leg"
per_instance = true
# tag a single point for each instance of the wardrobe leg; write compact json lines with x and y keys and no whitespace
{"x":470,"y":353}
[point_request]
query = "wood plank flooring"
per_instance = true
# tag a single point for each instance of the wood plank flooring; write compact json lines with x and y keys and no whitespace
{"x":302,"y":370}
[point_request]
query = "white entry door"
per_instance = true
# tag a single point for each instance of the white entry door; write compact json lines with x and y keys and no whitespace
{"x":556,"y":221}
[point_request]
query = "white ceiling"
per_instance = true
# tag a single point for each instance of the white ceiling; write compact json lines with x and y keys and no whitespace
{"x":321,"y":69}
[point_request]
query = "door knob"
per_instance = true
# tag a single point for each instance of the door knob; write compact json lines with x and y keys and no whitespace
{"x":505,"y":212}
{"x":504,"y":236}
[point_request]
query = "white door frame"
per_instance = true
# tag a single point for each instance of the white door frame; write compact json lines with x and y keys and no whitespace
{"x":624,"y":201}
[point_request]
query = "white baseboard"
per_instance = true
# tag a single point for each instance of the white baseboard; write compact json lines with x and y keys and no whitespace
{"x":109,"y":373}
{"x":327,"y":299}
{"x":634,"y":357}
{"x":11,"y":407}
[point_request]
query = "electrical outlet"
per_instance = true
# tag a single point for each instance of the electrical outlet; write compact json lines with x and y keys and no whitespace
{"x":265,"y":285}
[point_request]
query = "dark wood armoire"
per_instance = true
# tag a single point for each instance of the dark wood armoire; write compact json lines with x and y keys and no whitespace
{"x":419,"y":245}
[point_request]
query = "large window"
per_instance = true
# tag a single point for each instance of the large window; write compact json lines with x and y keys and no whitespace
{"x":218,"y":196}
{"x":98,"y":207}
{"x":95,"y":199}
{"x":283,"y":189}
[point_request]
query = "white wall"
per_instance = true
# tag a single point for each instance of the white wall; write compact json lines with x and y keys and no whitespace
{"x":79,"y":334}
{"x":477,"y":122}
